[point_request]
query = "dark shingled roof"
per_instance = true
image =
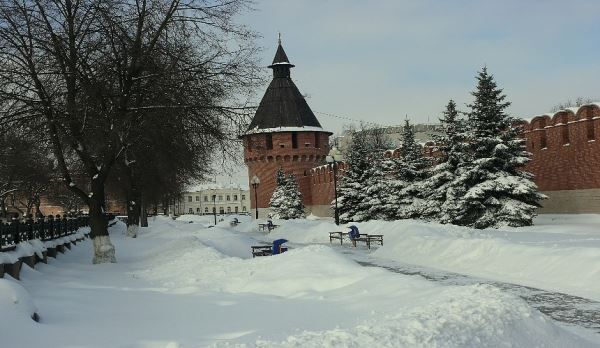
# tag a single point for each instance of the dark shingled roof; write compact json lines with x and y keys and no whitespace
{"x":282,"y":105}
{"x":280,"y":56}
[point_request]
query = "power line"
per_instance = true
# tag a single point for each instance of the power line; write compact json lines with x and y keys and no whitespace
{"x":347,"y":118}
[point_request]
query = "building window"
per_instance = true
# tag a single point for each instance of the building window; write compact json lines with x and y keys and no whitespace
{"x":228,"y":198}
{"x":190,"y":211}
{"x":244,"y":209}
{"x":220,"y":198}
{"x":243,"y":197}
{"x":235,"y":198}
{"x":294,"y":140}
{"x":317,"y":140}
{"x":197,"y":198}
{"x":269,"y":141}
{"x":206,"y":198}
{"x":197,"y":210}
{"x":214,"y":210}
{"x":206,"y":210}
{"x":189,"y":198}
{"x":236,"y":209}
{"x":229,"y":209}
{"x":221,"y":210}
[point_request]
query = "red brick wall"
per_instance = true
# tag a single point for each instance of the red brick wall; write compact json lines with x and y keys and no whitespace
{"x":571,"y":157}
{"x":264,"y":162}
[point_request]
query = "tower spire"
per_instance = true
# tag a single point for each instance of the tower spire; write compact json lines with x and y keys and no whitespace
{"x":279,"y":39}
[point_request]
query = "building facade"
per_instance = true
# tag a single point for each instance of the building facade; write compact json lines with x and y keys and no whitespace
{"x":213,"y":198}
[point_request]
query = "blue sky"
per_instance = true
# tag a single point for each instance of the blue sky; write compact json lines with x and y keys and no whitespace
{"x":378,"y":61}
{"x":381,"y":60}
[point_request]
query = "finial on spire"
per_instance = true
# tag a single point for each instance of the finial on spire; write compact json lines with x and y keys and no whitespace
{"x":279,"y":39}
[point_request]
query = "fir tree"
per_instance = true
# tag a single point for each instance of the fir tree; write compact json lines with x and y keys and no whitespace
{"x":494,"y":189}
{"x":286,"y":202}
{"x":404,"y":175}
{"x":437,"y":190}
{"x":352,"y":193}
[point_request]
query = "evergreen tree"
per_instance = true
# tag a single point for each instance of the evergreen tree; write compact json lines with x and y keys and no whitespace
{"x":437,"y":190}
{"x":496,"y":191}
{"x":286,"y":202}
{"x":404,"y":176}
{"x":351,"y":193}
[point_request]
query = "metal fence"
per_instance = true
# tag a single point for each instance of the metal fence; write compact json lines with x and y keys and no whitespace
{"x":45,"y":229}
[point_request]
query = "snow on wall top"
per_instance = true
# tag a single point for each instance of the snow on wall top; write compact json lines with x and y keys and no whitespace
{"x":285,"y":129}
{"x":573,"y":110}
{"x":215,"y":186}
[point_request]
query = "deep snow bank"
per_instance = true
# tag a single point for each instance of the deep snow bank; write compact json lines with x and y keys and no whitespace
{"x":560,"y":253}
{"x":472,"y":316}
{"x":395,"y":310}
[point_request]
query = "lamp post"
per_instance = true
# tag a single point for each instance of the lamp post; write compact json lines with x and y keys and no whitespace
{"x":255,"y":181}
{"x":214,"y":197}
{"x":333,"y":158}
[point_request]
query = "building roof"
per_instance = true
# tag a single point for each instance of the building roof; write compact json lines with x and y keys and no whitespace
{"x":283,"y":105}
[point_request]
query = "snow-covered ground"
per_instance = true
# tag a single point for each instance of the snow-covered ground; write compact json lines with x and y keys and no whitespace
{"x":182,"y":284}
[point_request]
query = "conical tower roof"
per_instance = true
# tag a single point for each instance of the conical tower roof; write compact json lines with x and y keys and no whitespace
{"x":283,"y":107}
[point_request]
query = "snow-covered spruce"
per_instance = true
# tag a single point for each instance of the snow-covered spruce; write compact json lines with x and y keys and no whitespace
{"x":402,"y":199}
{"x":437,"y":192}
{"x":492,"y":190}
{"x":362,"y":187}
{"x":286,"y":202}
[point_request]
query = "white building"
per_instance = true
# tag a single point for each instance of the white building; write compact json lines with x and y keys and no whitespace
{"x":206,"y":199}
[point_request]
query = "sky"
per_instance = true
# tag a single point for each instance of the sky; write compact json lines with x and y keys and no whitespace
{"x":382,"y":61}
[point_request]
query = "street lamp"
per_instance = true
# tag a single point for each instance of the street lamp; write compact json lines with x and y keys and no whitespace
{"x":255,"y":181}
{"x":214,"y":197}
{"x":333,"y":158}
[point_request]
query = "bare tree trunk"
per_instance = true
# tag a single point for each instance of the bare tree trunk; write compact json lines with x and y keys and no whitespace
{"x":104,"y":250}
{"x":144,"y":213}
{"x":133,"y":212}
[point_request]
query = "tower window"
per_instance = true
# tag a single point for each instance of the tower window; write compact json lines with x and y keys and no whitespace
{"x":269,"y":141}
{"x":294,"y":140}
{"x":317,"y":141}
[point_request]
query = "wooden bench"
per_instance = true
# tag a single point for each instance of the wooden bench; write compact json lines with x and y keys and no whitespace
{"x":363,"y":237}
{"x":264,"y":250}
{"x":337,"y":235}
{"x":263,"y":227}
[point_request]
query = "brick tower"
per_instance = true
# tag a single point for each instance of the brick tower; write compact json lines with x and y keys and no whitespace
{"x":283,"y":133}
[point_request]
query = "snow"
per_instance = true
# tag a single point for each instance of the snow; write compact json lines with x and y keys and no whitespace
{"x":285,"y":129}
{"x":182,"y":284}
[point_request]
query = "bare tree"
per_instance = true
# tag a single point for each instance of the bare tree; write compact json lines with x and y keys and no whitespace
{"x":579,"y":101}
{"x":87,"y":70}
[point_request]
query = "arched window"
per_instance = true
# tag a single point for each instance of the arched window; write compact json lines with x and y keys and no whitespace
{"x":229,"y":209}
{"x":190,"y":211}
{"x":206,"y":210}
